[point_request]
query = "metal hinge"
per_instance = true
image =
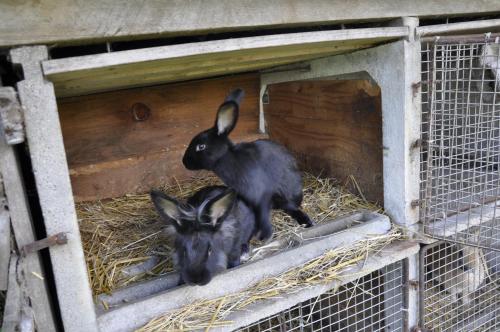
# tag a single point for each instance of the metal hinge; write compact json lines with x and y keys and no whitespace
{"x":417,"y":203}
{"x":56,"y":239}
{"x":11,"y":116}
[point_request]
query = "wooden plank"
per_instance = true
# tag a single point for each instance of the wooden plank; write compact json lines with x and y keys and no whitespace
{"x":110,"y":154}
{"x":92,"y":73}
{"x":13,"y":301}
{"x":97,"y":20}
{"x":4,"y":239}
{"x":53,"y":185}
{"x":334,"y":127}
{"x":23,"y":229}
{"x":462,"y":27}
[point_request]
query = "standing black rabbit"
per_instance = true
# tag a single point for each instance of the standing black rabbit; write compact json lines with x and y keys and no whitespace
{"x":210,"y":231}
{"x":263,"y":173}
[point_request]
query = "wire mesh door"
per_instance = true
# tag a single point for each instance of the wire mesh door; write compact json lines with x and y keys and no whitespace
{"x":461,"y":288}
{"x":460,"y":154}
{"x":375,"y":302}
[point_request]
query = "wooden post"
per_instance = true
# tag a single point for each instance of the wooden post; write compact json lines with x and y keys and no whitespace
{"x":48,"y":158}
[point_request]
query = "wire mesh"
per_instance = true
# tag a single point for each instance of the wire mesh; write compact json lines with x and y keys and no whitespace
{"x":461,"y":288}
{"x":460,"y":154}
{"x":374,"y":302}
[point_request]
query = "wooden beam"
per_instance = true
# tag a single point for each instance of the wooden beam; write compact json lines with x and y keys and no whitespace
{"x":13,"y":301}
{"x":63,"y":22}
{"x":141,"y":67}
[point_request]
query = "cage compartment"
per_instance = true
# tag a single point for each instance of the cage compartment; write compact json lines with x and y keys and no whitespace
{"x":226,"y":310}
{"x":395,"y":53}
{"x":461,"y":290}
{"x":460,"y":134}
{"x":111,"y":153}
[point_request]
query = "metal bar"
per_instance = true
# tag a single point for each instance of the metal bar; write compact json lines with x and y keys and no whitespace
{"x":406,"y":293}
{"x":56,"y":239}
{"x":465,"y":39}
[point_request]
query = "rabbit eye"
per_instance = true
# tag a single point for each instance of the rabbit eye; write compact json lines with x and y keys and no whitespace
{"x":200,"y":147}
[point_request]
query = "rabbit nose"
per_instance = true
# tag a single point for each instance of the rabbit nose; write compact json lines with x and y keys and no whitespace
{"x":199,"y":278}
{"x":203,"y":282}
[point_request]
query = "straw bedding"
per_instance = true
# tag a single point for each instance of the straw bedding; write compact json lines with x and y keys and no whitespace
{"x":126,"y":231}
{"x":326,"y":268}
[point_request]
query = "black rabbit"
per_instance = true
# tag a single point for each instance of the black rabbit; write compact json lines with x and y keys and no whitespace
{"x":210,"y":231}
{"x":263,"y":173}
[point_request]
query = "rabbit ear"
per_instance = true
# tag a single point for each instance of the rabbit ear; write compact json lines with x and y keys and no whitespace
{"x":236,"y":96}
{"x":167,"y":207}
{"x":219,"y":207}
{"x":227,"y":115}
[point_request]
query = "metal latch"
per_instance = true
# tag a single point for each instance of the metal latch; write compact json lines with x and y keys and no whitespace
{"x":11,"y":116}
{"x":56,"y":239}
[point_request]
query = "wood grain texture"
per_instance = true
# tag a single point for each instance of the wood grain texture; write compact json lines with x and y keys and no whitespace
{"x":334,"y":128}
{"x":58,"y":21}
{"x":109,"y":71}
{"x":110,"y":154}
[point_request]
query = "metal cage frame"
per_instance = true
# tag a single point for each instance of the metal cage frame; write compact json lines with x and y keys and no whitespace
{"x":460,"y":132}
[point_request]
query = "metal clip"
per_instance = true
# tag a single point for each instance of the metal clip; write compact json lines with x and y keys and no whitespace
{"x":416,"y":203}
{"x":417,"y":144}
{"x":57,"y":239}
{"x":415,"y":87}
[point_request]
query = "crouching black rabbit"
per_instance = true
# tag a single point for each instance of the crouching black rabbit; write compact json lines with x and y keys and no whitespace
{"x":210,"y":231}
{"x":263,"y":173}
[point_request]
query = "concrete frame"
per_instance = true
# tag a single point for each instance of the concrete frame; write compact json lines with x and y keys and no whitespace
{"x":394,"y":66}
{"x":396,"y":69}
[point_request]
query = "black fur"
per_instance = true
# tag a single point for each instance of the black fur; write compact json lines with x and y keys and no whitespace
{"x":263,"y":173}
{"x":204,"y":247}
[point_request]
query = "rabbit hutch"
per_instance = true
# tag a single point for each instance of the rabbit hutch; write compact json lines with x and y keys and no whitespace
{"x":391,"y":116}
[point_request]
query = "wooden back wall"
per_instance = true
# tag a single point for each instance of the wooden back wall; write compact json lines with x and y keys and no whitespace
{"x":110,"y":154}
{"x":333,"y":127}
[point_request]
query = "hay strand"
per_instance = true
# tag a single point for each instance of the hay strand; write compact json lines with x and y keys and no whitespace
{"x":126,"y":231}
